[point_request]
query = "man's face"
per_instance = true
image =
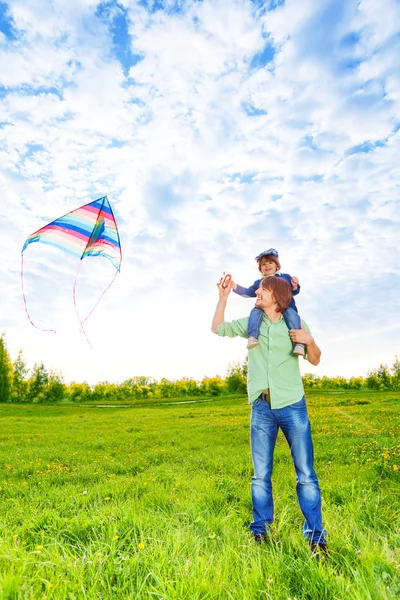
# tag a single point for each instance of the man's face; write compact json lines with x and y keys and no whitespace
{"x":268,"y":267}
{"x":264,"y":298}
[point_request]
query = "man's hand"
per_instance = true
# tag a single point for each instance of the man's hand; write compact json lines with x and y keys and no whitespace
{"x":295,"y":283}
{"x":302,"y":336}
{"x":224,"y":292}
{"x":219,"y":315}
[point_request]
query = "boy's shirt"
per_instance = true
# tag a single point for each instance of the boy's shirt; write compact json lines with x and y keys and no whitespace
{"x":250,"y":292}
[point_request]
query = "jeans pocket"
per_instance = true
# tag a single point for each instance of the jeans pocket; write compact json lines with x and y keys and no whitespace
{"x":301,"y":404}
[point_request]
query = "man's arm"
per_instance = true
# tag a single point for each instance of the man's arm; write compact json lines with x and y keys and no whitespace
{"x":219,"y":315}
{"x":303,"y":337}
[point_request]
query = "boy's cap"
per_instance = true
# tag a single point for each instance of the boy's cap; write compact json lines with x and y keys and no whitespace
{"x":271,"y":251}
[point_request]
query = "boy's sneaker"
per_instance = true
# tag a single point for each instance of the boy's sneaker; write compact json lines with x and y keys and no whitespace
{"x":299,"y":349}
{"x":252,"y":342}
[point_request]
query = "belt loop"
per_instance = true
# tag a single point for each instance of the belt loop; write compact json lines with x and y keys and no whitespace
{"x":265,"y":397}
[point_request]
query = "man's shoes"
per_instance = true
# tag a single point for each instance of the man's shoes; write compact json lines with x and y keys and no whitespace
{"x":252,"y":342}
{"x":299,"y":349}
{"x":259,"y":538}
{"x":318,"y":551}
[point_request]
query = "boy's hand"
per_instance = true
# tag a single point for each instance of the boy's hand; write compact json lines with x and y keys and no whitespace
{"x":295,"y":283}
{"x":233,"y":285}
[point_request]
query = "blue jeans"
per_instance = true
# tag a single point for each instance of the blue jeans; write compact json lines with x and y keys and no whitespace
{"x":290,"y":315}
{"x":293,"y":420}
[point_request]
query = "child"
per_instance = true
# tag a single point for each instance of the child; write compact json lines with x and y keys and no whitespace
{"x":269,"y":265}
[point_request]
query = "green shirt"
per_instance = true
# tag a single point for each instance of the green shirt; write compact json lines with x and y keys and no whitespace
{"x":271,"y":364}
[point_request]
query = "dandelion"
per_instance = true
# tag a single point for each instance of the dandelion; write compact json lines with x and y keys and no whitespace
{"x":15,"y":537}
{"x":141,"y":546}
{"x":395,"y":468}
{"x":39,"y":548}
{"x":116,"y":537}
{"x":107,"y":498}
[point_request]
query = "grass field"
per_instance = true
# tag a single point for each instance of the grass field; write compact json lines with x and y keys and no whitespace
{"x":154,"y":503}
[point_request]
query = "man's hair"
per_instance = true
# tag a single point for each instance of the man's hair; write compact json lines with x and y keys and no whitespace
{"x":280,"y":290}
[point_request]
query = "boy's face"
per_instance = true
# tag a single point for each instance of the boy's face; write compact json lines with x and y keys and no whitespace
{"x":267,"y":267}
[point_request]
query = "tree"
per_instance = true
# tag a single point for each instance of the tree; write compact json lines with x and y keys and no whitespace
{"x":20,"y":381}
{"x":187,"y":387}
{"x":356,"y":383}
{"x":55,"y":389}
{"x":236,"y":378}
{"x":79,"y":392}
{"x":396,"y":374}
{"x":167,"y":388}
{"x":5,"y":372}
{"x":213,"y":386}
{"x":38,"y":381}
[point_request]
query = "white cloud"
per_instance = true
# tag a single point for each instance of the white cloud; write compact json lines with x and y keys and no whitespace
{"x":199,"y":184}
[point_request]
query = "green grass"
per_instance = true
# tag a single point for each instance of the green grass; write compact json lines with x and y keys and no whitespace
{"x":154,"y":503}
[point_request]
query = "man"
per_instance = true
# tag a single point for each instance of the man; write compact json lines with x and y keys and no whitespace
{"x":276,"y":393}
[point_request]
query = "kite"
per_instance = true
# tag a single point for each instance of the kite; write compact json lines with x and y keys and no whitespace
{"x":90,"y":230}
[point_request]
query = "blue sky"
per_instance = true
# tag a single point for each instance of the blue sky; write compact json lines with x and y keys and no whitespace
{"x":217,"y":129}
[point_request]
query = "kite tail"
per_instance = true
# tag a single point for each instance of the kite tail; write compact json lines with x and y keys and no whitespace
{"x":76,"y":308}
{"x":24,"y":296}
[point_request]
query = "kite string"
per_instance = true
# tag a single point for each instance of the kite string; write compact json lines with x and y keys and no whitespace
{"x":24,"y":297}
{"x":76,"y":308}
{"x":81,"y":323}
{"x":103,"y":293}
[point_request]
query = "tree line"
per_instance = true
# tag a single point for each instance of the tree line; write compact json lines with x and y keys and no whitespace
{"x":18,"y":383}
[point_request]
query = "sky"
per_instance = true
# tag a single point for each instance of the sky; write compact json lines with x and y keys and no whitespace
{"x":217,"y":129}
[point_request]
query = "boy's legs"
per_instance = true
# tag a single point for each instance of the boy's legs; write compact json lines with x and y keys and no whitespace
{"x":253,"y":330}
{"x":293,"y":321}
{"x":292,"y":318}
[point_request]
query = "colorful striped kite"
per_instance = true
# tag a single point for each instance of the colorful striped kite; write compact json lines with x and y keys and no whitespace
{"x":90,"y":230}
